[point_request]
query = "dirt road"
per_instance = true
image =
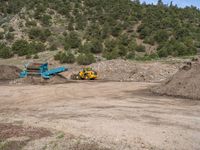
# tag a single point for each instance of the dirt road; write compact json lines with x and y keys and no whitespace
{"x":115,"y":115}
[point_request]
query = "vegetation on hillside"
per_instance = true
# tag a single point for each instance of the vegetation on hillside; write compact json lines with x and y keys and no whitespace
{"x":111,"y":29}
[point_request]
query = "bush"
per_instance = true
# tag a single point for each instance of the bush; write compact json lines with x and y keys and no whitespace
{"x":46,"y":20}
{"x":86,"y":48}
{"x":73,"y":40}
{"x":21,"y":47}
{"x":116,"y":30}
{"x":147,"y":57}
{"x":85,"y":59}
{"x":149,"y":40}
{"x":176,"y":48}
{"x":140,"y":48}
{"x":111,"y":54}
{"x":39,"y":34}
{"x":53,"y":47}
{"x":1,"y":35}
{"x":34,"y":33}
{"x":36,"y":47}
{"x":64,"y":57}
{"x":35,"y":56}
{"x":130,"y":55}
{"x":67,"y":58}
{"x":124,"y":40}
{"x":9,"y":36}
{"x":11,"y":29}
{"x":28,"y":56}
{"x":31,"y":23}
{"x":96,"y":47}
{"x":5,"y":52}
{"x":122,"y":50}
{"x":57,"y":56}
{"x":161,"y":36}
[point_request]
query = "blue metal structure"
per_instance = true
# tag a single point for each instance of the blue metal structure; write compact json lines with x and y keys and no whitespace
{"x":41,"y":70}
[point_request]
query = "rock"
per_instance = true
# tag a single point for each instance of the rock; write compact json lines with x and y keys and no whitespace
{"x":1,"y":30}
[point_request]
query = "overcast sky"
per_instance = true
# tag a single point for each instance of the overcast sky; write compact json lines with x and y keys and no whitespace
{"x":180,"y":3}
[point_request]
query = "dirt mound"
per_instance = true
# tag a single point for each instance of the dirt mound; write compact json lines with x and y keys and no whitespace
{"x":185,"y":83}
{"x":125,"y":70}
{"x":9,"y":72}
{"x":39,"y":80}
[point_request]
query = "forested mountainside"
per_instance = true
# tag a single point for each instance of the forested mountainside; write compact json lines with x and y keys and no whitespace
{"x":83,"y":29}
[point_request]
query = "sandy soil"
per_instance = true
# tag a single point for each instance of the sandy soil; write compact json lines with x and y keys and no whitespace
{"x":116,"y":115}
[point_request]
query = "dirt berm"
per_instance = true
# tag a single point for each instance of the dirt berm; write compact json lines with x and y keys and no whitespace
{"x":185,"y":83}
{"x":9,"y":72}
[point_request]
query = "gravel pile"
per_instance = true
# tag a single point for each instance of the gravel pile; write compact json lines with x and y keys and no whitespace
{"x":185,"y":83}
{"x":125,"y":70}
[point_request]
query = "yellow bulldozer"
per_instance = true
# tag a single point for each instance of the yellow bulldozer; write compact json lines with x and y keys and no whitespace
{"x":86,"y":74}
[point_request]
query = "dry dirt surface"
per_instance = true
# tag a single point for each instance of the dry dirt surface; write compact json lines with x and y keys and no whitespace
{"x":96,"y":116}
{"x":185,"y":83}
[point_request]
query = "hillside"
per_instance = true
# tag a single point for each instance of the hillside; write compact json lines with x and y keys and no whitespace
{"x":87,"y":30}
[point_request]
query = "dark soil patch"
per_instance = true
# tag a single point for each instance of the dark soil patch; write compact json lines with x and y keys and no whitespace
{"x":87,"y":146}
{"x":8,"y":130}
{"x":12,"y":145}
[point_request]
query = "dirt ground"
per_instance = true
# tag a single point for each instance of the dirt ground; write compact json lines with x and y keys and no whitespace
{"x":96,"y":116}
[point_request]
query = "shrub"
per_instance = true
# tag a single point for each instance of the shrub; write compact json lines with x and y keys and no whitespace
{"x":176,"y":48}
{"x":73,"y":40}
{"x":122,"y":50}
{"x":161,"y":36}
{"x":147,"y":57}
{"x":130,"y":55}
{"x":144,"y":32}
{"x":96,"y":46}
{"x":116,"y":30}
{"x":5,"y":52}
{"x":34,"y":33}
{"x":53,"y":47}
{"x":39,"y":34}
{"x":35,"y":56}
{"x":64,"y":57}
{"x":85,"y":59}
{"x":149,"y":40}
{"x":86,"y":48}
{"x":28,"y":56}
{"x":46,"y":20}
{"x":21,"y":47}
{"x":140,"y":48}
{"x":9,"y":36}
{"x":57,"y":56}
{"x":111,"y":54}
{"x":31,"y":23}
{"x":36,"y":47}
{"x":124,"y":39}
{"x":1,"y":35}
{"x":11,"y":29}
{"x":68,"y":58}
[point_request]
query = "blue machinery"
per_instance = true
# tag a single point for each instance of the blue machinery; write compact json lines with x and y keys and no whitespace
{"x":41,"y":69}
